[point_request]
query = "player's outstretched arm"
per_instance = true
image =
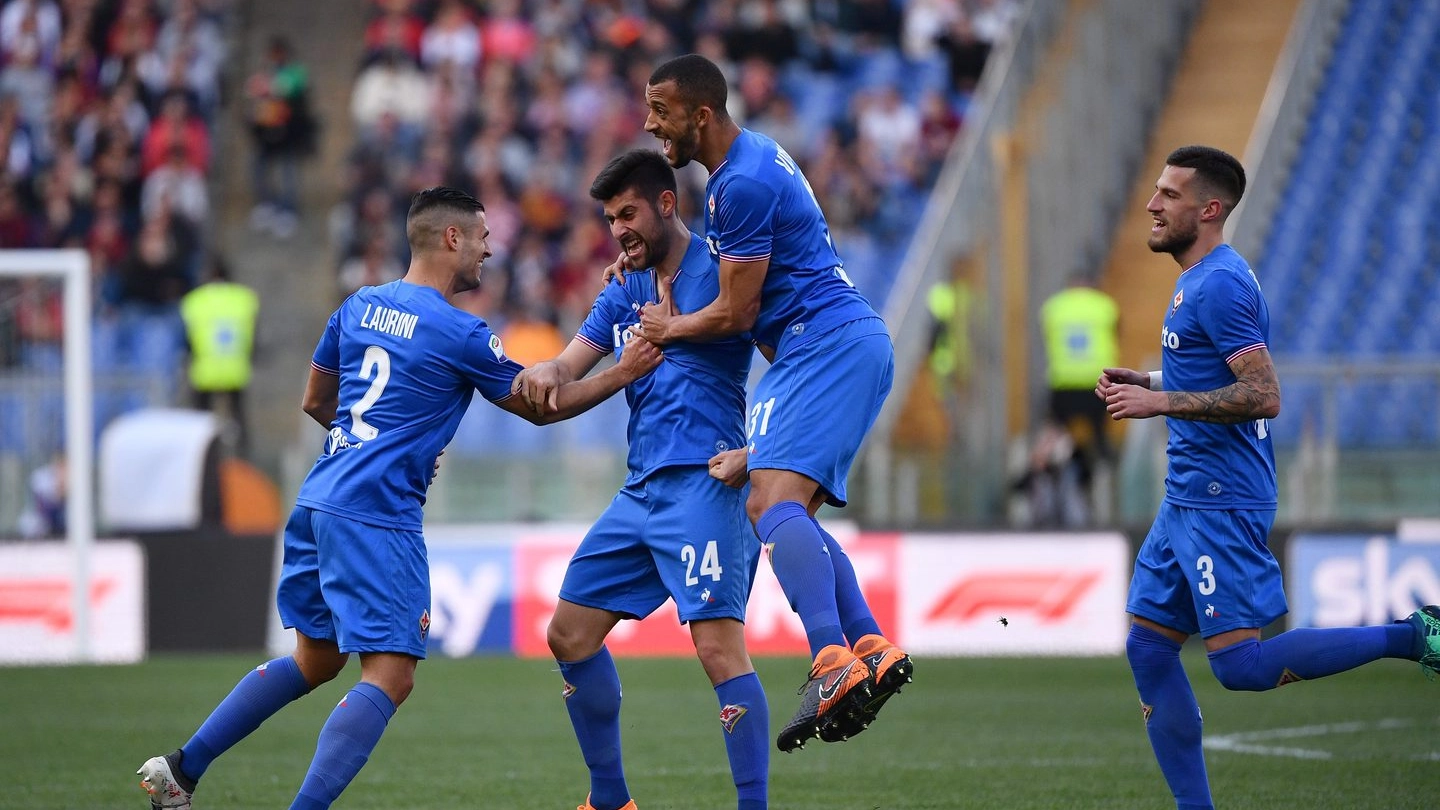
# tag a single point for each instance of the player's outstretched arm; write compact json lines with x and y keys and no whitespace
{"x":1255,"y":394}
{"x":640,"y":357}
{"x":322,"y":397}
{"x":539,"y":385}
{"x":733,"y":311}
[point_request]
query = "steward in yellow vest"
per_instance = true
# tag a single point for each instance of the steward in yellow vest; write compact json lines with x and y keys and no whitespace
{"x":219,"y":318}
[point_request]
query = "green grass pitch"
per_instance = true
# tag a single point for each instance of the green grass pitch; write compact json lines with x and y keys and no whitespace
{"x":491,"y":733}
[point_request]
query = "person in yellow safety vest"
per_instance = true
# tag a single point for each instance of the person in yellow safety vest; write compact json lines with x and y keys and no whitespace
{"x":950,"y":361}
{"x":1080,"y":324}
{"x":219,"y":318}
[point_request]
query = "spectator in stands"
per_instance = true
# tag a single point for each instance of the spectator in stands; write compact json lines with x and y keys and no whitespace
{"x":17,"y":149}
{"x":30,"y":24}
{"x":220,"y":317}
{"x":31,"y":84}
{"x":178,"y":186}
{"x":398,"y":29}
{"x":39,"y":324}
{"x":154,"y":274}
{"x":189,"y":50}
{"x":375,"y":265}
{"x":176,"y":124}
{"x":282,"y":130}
{"x":16,"y":229}
{"x":392,"y":85}
{"x":966,"y":54}
{"x":451,"y":42}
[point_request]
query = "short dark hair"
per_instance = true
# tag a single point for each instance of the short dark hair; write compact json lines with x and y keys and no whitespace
{"x":645,"y":170}
{"x":1219,"y":172}
{"x":698,"y":81}
{"x":434,"y":208}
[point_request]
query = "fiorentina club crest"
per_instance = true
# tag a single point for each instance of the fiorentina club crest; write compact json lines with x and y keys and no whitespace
{"x":1174,"y":305}
{"x":424,"y":625}
{"x":730,"y":715}
{"x":711,"y":205}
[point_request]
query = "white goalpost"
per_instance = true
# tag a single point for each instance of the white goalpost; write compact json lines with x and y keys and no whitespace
{"x":72,"y":268}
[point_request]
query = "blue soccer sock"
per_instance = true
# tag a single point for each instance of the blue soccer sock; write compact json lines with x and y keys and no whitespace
{"x":592,"y":698}
{"x":1307,"y":653}
{"x":263,"y":691}
{"x":855,"y":615}
{"x":1172,"y":717}
{"x":345,"y":743}
{"x":745,"y":716}
{"x":799,"y":559}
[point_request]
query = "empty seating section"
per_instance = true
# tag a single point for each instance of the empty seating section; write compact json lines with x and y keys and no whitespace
{"x":1351,"y":267}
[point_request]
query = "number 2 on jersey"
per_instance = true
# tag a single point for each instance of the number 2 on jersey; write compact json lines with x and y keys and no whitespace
{"x":376,"y":363}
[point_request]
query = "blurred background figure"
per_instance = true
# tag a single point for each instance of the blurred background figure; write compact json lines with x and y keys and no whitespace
{"x":1081,"y":326}
{"x":282,"y":128}
{"x":220,"y":318}
{"x":44,"y":513}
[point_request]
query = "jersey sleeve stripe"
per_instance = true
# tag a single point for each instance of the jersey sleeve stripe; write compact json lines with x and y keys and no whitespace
{"x":592,"y":344}
{"x":1252,"y":347}
{"x":733,"y":258}
{"x":333,"y":372}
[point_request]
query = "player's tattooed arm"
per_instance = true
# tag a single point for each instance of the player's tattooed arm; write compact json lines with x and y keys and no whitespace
{"x":1255,"y":394}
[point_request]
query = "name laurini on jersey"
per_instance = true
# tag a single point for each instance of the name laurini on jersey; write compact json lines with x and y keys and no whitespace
{"x":390,"y":321}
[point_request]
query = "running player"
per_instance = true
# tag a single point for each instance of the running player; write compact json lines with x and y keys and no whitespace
{"x":1205,"y":566}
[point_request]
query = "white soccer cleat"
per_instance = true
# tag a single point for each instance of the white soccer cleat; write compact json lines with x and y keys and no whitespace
{"x":157,"y":778}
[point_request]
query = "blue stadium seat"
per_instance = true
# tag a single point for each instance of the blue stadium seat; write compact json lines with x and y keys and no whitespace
{"x":1351,"y":265}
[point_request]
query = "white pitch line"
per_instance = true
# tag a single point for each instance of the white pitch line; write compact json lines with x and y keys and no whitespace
{"x":1248,"y":742}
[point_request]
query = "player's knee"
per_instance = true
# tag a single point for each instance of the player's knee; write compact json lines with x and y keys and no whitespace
{"x":319,"y":669}
{"x":721,"y":661}
{"x":1240,"y":668}
{"x":568,"y":643}
{"x":757,"y":503}
{"x":1146,"y":648}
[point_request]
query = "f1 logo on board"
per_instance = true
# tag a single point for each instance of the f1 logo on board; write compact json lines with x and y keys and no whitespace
{"x":978,"y":594}
{"x":46,"y":601}
{"x":1049,"y":596}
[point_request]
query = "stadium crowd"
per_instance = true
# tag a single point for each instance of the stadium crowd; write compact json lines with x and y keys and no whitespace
{"x":109,"y":108}
{"x":107,"y":117}
{"x":521,"y":104}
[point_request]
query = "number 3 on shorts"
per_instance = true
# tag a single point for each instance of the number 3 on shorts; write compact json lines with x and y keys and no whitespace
{"x":1206,"y":567}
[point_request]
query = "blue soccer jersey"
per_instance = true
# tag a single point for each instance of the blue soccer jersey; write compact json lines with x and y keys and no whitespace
{"x":758,"y":206}
{"x":1216,"y":315}
{"x":408,"y":363}
{"x":692,"y":406}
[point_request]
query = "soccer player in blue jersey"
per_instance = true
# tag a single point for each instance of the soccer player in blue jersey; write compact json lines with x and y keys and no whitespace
{"x":1205,"y":566}
{"x":781,"y":279}
{"x":672,"y":532}
{"x":391,"y":377}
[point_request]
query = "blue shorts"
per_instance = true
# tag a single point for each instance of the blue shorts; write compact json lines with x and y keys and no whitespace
{"x":1207,"y":571}
{"x":365,"y":587}
{"x":678,"y":534}
{"x":813,"y":408}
